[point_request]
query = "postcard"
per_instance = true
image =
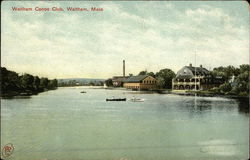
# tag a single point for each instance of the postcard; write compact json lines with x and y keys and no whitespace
{"x":124,"y":80}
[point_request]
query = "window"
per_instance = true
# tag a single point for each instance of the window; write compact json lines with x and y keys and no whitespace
{"x":185,"y":71}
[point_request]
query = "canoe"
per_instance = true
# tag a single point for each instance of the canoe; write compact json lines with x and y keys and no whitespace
{"x":116,"y":99}
{"x":136,"y":100}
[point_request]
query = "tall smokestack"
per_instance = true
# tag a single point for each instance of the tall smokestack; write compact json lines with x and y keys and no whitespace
{"x":123,"y":68}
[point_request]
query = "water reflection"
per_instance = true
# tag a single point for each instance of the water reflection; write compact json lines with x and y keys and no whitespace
{"x":198,"y":105}
{"x":87,"y":127}
{"x":243,"y":106}
{"x":16,"y":97}
{"x":203,"y":104}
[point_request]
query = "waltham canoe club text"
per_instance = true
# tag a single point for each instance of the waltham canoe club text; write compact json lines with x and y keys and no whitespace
{"x":58,"y":9}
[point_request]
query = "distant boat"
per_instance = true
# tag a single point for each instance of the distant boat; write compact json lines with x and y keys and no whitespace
{"x":83,"y":92}
{"x":116,"y":99}
{"x":137,"y":99}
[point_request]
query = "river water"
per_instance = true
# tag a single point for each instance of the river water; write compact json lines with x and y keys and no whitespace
{"x":65,"y":124}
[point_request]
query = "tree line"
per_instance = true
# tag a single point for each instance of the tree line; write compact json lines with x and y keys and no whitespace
{"x":14,"y":84}
{"x":239,"y":85}
{"x":164,"y":78}
{"x":236,"y":79}
{"x":72,"y":83}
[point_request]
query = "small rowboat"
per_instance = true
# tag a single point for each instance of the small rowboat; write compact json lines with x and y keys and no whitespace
{"x":137,"y":100}
{"x":116,"y":99}
{"x":83,"y":92}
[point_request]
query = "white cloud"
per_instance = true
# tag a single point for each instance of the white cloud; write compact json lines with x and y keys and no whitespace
{"x":89,"y":45}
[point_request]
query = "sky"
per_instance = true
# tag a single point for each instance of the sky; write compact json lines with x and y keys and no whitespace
{"x":148,"y":35}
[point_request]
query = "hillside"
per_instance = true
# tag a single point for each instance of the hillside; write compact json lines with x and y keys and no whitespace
{"x":80,"y":81}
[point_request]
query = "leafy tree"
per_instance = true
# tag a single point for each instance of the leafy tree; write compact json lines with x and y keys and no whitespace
{"x":109,"y":82}
{"x":44,"y":82}
{"x":36,"y":82}
{"x":13,"y":84}
{"x":225,"y":88}
{"x":242,"y":80}
{"x":219,"y":72}
{"x":147,"y":73}
{"x":52,"y":84}
{"x":167,"y":75}
{"x":151,"y":74}
{"x":27,"y":81}
{"x":241,"y":84}
{"x":9,"y":80}
{"x":226,"y":72}
{"x":160,"y":82}
{"x":55,"y":82}
{"x":230,"y":71}
{"x":244,"y":68}
{"x":100,"y":83}
{"x":143,"y":73}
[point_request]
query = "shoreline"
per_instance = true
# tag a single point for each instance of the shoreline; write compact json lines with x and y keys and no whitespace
{"x":186,"y":93}
{"x":238,"y":97}
{"x":13,"y":94}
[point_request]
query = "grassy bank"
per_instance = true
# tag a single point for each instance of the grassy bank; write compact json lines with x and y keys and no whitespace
{"x":211,"y":94}
{"x":23,"y":93}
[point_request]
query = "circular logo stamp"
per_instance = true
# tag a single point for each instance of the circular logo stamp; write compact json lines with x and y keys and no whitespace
{"x":7,"y":150}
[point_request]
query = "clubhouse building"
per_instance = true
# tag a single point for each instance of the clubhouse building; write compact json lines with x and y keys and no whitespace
{"x":195,"y":78}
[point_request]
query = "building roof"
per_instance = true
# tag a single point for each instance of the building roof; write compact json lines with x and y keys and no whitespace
{"x":199,"y":70}
{"x":188,"y":72}
{"x":135,"y":78}
{"x":119,"y":78}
